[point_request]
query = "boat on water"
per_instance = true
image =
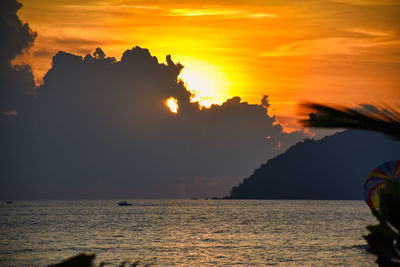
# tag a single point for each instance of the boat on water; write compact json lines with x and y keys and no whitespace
{"x":124,"y":203}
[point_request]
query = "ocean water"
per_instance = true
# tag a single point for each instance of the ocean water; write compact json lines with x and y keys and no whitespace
{"x":187,"y":232}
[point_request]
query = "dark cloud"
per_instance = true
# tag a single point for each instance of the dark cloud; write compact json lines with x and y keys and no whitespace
{"x":99,"y":128}
{"x":42,"y":53}
{"x":68,"y":41}
{"x":77,"y":42}
{"x":16,"y":38}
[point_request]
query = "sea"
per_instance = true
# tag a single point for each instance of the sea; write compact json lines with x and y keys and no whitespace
{"x":198,"y":232}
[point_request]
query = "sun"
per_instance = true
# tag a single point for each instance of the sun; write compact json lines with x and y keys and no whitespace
{"x":208,"y":83}
{"x":172,"y":104}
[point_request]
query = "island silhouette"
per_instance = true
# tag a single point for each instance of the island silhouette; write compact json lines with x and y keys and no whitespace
{"x":334,"y":167}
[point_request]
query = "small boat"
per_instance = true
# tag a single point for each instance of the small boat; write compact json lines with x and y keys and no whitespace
{"x":124,"y":203}
{"x":9,"y":202}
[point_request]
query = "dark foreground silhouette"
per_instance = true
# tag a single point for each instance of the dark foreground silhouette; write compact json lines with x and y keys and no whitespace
{"x":365,"y":117}
{"x":86,"y":260}
{"x":384,"y":238}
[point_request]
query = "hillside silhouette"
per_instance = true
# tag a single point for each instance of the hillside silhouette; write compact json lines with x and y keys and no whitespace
{"x":334,"y":167}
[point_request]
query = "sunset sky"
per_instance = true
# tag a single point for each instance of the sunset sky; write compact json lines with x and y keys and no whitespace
{"x":339,"y":51}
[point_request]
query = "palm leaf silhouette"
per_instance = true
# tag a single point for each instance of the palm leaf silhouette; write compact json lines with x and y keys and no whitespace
{"x":365,"y":117}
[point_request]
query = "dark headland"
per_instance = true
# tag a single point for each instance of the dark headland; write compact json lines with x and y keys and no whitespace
{"x":334,"y":167}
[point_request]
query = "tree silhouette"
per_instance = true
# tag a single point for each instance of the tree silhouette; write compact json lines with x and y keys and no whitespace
{"x":365,"y":117}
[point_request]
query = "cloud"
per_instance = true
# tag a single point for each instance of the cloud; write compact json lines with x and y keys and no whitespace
{"x":99,"y":128}
{"x":204,"y":12}
{"x":106,"y":6}
{"x":368,"y":32}
{"x":43,"y":53}
{"x":16,"y":38}
{"x":262,"y":15}
{"x":221,"y":12}
{"x":368,"y":2}
{"x":332,"y":46}
{"x":325,"y":46}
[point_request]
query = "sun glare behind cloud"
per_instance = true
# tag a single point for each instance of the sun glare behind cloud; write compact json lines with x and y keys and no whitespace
{"x":172,"y":104}
{"x":209,"y":84}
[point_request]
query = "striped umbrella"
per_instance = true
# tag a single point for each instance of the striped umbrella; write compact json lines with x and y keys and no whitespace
{"x":377,"y":179}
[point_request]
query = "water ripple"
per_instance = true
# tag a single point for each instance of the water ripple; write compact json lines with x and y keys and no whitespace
{"x":187,"y":232}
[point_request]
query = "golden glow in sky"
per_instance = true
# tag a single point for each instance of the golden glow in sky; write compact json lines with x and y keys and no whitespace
{"x":209,"y":84}
{"x":334,"y":51}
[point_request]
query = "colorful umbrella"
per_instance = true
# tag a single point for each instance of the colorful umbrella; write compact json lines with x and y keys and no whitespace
{"x":377,"y":179}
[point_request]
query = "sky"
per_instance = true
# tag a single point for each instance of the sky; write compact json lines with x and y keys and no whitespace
{"x":94,"y":99}
{"x":335,"y":51}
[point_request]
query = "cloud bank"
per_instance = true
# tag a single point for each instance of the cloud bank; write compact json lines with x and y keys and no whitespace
{"x":100,"y":128}
{"x":16,"y":37}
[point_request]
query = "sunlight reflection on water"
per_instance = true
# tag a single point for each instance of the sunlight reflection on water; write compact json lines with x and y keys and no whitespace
{"x":187,"y":232}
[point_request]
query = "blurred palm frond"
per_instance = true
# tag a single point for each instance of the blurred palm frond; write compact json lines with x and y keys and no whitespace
{"x":366,"y":117}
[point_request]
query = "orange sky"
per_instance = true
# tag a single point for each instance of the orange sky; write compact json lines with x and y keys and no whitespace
{"x":333,"y":51}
